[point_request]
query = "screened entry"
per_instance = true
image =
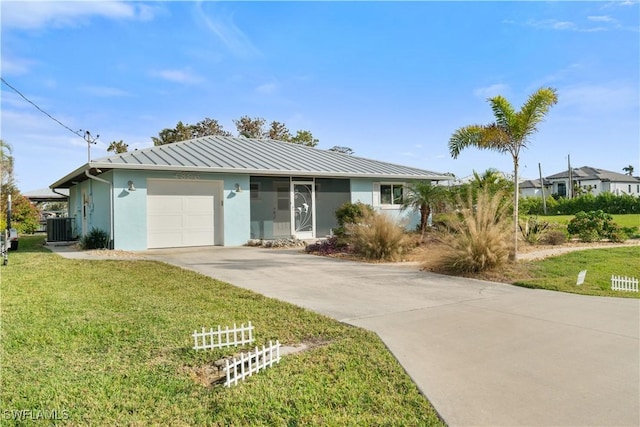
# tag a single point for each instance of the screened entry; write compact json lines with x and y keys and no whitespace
{"x":295,"y":207}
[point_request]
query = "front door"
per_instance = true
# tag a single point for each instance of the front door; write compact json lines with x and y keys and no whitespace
{"x":303,"y":219}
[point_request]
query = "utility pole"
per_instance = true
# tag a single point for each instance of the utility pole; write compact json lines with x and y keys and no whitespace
{"x":544,"y":200}
{"x":90,"y":140}
{"x":570,"y":186}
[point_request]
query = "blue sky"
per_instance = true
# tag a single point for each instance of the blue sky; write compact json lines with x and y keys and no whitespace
{"x":391,"y":80}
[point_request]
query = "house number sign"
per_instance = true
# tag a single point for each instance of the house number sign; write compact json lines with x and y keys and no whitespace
{"x":187,"y":175}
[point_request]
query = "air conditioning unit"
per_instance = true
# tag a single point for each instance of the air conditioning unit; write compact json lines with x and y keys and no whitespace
{"x":59,"y":229}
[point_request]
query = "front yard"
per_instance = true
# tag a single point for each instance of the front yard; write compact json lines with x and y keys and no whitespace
{"x":109,"y":343}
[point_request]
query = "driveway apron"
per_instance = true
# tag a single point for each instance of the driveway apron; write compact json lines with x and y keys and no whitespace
{"x":483,"y":353}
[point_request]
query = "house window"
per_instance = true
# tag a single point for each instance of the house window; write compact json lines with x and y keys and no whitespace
{"x":254,"y":189}
{"x":391,"y":194}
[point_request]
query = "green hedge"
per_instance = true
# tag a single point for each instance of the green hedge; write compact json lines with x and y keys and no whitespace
{"x":606,"y":202}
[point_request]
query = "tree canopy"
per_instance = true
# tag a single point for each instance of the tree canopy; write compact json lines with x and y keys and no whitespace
{"x":118,"y":147}
{"x":24,"y":216}
{"x":246,"y":126}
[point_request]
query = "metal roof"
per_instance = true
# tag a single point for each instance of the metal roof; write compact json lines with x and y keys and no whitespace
{"x":47,"y":195}
{"x":221,"y":154}
{"x":589,"y":173}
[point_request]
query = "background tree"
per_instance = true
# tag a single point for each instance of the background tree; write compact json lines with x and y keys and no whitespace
{"x":182,"y":132}
{"x":246,"y":126}
{"x":491,"y":179}
{"x":24,"y":216}
{"x":6,"y":166}
{"x":278,"y":131}
{"x":508,"y":134}
{"x":207,"y":127}
{"x":628,"y":170}
{"x":118,"y":147}
{"x":340,"y":149}
{"x":304,"y":137}
{"x":421,"y":196}
{"x":250,"y":128}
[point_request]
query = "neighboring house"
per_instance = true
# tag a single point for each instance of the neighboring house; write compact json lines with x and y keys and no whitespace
{"x":593,"y":181}
{"x":46,"y":195}
{"x":226,"y":191}
{"x":532,"y":188}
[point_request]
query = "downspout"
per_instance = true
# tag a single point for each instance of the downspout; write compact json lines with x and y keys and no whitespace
{"x":111,"y":240}
{"x":63,"y":195}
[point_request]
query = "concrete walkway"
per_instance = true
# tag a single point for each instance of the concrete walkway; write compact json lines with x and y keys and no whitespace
{"x":484,"y":354}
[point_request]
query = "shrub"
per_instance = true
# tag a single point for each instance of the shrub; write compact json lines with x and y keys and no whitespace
{"x":95,"y":239}
{"x":631,"y":232}
{"x":556,"y":234}
{"x":482,"y":235}
{"x":330,"y":246}
{"x":377,"y":237}
{"x":351,"y":213}
{"x":532,"y":229}
{"x":595,"y":225}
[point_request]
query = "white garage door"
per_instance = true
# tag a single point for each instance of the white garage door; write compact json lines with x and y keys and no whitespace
{"x":180,"y":213}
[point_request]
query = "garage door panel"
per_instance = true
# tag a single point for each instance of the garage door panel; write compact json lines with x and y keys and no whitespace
{"x":198,"y":204}
{"x":165,"y":222}
{"x":180,"y":213}
{"x":202,"y":222}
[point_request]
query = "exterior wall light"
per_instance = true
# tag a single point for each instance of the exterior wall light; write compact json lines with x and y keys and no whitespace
{"x":130,"y":186}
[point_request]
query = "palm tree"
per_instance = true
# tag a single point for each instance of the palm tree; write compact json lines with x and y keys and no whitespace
{"x":628,"y":170}
{"x":420,"y":196}
{"x":508,"y":134}
{"x":491,"y":179}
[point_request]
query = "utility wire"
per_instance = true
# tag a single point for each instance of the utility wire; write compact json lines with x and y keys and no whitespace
{"x":78,"y":132}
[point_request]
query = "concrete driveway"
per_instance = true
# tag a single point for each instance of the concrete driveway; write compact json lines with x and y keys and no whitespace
{"x":483,"y":353}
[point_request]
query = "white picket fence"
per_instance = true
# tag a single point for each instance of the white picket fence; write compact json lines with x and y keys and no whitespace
{"x":247,"y":364}
{"x":217,"y":338}
{"x":619,"y":283}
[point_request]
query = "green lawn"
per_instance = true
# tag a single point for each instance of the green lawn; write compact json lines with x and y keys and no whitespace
{"x":560,"y":273}
{"x":627,"y":220}
{"x":108,"y":343}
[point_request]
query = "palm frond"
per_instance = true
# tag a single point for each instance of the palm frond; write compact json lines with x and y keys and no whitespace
{"x":534,"y":111}
{"x":464,"y":137}
{"x":503,"y":111}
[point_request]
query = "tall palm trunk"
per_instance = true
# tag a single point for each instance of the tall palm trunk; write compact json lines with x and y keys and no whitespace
{"x":515,"y":207}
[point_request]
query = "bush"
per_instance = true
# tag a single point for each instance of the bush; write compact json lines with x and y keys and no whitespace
{"x":532,"y":229}
{"x":351,"y":213}
{"x":95,"y":239}
{"x":332,"y":245}
{"x":481,"y":238}
{"x":595,"y":225}
{"x":631,"y":232}
{"x":377,"y":237}
{"x":556,"y":234}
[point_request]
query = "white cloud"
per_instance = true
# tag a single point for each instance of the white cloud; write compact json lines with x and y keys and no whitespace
{"x":598,"y":98}
{"x":267,"y":88}
{"x":601,"y":18}
{"x":184,"y":76}
{"x":560,"y":75}
{"x":491,"y":91}
{"x":34,"y":15}
{"x":228,"y":32}
{"x":554,"y":24}
{"x":16,"y":66}
{"x":104,"y":92}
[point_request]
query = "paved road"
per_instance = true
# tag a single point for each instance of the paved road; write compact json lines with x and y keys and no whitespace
{"x":483,"y":353}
